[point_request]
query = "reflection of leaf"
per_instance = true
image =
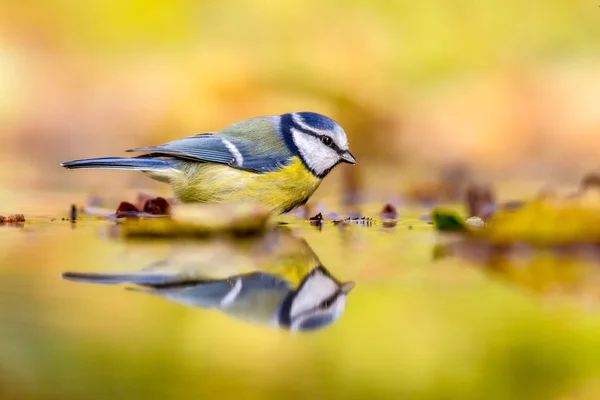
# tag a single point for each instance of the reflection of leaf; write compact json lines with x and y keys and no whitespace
{"x":572,"y":273}
{"x":440,"y":251}
{"x":447,"y":221}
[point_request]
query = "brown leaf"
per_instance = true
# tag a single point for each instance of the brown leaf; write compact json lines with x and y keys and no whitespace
{"x":127,"y":210}
{"x":316,"y":218}
{"x":125,"y":206}
{"x":157,"y":206}
{"x":389,"y":212}
{"x":15,"y":218}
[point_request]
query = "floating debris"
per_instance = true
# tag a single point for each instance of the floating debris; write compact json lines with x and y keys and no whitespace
{"x":126,"y":206}
{"x":389,"y":215}
{"x":364,"y":221}
{"x":316,"y":220}
{"x":389,"y":212}
{"x":73,"y":213}
{"x":152,"y":208}
{"x":12,"y":219}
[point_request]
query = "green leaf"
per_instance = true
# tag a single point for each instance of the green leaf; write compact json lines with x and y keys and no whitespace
{"x":447,"y":221}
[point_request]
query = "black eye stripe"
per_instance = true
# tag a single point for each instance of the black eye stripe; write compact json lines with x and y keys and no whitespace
{"x":333,"y":145}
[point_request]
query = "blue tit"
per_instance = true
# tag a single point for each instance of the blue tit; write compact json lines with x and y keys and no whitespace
{"x":277,"y":280}
{"x":278,"y":161}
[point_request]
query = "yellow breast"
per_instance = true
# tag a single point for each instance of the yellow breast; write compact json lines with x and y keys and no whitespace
{"x":281,"y":190}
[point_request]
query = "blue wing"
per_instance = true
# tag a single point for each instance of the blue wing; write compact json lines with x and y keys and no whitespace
{"x":206,"y":147}
{"x":252,"y":145}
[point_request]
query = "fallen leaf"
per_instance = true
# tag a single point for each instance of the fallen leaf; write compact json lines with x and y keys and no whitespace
{"x":125,"y":206}
{"x":157,"y":206}
{"x":317,"y":218}
{"x":447,"y":221}
{"x":15,"y":218}
{"x":389,"y":213}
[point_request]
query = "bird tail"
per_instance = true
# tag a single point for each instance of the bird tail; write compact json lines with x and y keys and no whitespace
{"x":140,"y":164}
{"x":135,"y":278}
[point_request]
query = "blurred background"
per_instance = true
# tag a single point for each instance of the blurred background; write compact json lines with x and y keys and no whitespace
{"x":506,"y":88}
{"x":503,"y":90}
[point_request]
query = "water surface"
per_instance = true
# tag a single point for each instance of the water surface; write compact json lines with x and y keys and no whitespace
{"x":416,"y":324}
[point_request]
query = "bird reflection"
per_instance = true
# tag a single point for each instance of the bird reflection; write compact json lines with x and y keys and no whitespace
{"x":273,"y":280}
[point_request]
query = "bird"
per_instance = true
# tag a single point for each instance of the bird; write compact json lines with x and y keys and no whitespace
{"x":277,"y":161}
{"x":276,"y":280}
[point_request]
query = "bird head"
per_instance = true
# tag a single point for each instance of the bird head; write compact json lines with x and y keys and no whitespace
{"x":319,"y":141}
{"x":318,"y":302}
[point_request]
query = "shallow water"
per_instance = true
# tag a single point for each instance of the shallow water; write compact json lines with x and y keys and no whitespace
{"x":416,"y":325}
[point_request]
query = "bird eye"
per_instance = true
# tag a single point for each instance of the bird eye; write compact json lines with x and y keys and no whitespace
{"x":327,"y":303}
{"x":327,"y":141}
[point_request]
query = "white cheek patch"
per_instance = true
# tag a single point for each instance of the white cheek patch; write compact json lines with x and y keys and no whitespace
{"x":317,"y":288}
{"x":317,"y":156}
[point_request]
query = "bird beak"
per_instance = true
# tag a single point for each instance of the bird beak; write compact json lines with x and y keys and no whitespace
{"x":347,"y":287}
{"x":347,"y":157}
